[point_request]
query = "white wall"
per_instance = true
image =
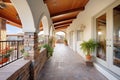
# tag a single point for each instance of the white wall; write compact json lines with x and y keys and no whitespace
{"x":86,"y":18}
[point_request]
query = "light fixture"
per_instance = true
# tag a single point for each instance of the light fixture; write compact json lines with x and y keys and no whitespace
{"x":99,"y":33}
{"x":82,"y":27}
{"x":2,"y":5}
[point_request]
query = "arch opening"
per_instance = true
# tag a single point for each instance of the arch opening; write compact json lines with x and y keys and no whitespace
{"x":60,"y":36}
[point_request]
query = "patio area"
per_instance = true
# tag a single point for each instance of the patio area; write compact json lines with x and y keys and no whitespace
{"x":68,"y":65}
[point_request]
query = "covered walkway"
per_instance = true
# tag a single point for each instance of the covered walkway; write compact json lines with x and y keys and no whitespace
{"x":68,"y":65}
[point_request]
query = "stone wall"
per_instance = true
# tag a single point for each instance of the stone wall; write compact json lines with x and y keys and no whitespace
{"x":38,"y":64}
{"x":18,"y":70}
{"x":22,"y":73}
{"x":37,"y":57}
{"x":24,"y":69}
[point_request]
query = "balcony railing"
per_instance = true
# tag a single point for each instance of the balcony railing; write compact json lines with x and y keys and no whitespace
{"x":10,"y":51}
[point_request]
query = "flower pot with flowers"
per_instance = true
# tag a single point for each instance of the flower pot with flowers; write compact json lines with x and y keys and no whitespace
{"x":4,"y":58}
{"x":5,"y":54}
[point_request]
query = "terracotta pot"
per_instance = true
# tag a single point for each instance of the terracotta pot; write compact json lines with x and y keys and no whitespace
{"x":4,"y":60}
{"x":88,"y":57}
{"x":66,"y":43}
{"x":26,"y":57}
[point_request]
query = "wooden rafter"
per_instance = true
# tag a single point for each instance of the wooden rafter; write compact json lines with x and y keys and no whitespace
{"x":73,"y":17}
{"x":61,"y":28}
{"x":6,"y":1}
{"x":68,"y":11}
{"x":14,"y":24}
{"x":61,"y":25}
{"x":10,"y":19}
{"x":64,"y":21}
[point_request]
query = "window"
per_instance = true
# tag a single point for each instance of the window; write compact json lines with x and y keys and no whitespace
{"x":79,"y":35}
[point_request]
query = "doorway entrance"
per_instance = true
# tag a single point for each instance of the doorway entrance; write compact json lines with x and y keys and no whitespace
{"x":107,"y":31}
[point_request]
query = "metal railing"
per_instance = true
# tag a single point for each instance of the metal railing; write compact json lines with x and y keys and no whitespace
{"x":10,"y":51}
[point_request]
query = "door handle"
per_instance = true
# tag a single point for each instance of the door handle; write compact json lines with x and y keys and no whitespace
{"x":108,"y":45}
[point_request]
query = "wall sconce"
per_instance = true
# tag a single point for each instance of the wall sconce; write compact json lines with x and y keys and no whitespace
{"x":82,"y":27}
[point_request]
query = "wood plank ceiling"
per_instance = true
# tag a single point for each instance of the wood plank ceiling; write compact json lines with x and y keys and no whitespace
{"x":62,"y":12}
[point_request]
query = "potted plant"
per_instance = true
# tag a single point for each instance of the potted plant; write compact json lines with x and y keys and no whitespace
{"x":25,"y":54}
{"x":65,"y":42}
{"x":39,"y":48}
{"x":88,"y":47}
{"x":49,"y":50}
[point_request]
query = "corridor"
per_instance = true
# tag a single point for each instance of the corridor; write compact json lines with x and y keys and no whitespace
{"x":65,"y":64}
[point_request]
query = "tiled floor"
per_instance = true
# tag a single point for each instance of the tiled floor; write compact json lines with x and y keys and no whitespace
{"x":68,"y":65}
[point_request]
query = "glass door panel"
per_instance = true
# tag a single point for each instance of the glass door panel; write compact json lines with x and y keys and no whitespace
{"x":101,"y":37}
{"x":116,"y":36}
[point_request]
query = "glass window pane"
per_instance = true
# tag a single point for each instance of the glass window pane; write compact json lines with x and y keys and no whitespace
{"x":79,"y":35}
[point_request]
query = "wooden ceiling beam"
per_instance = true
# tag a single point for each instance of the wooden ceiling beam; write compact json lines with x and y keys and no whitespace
{"x":66,"y":14}
{"x":65,"y":20}
{"x":74,"y":17}
{"x":59,"y":28}
{"x":69,"y":20}
{"x":10,"y":19}
{"x":68,"y":11}
{"x":14,"y":24}
{"x":63,"y":23}
{"x":10,"y":16}
{"x":8,"y":1}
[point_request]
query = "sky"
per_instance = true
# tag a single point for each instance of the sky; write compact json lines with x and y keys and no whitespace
{"x":41,"y":32}
{"x":60,"y":33}
{"x":15,"y":30}
{"x":12,"y":29}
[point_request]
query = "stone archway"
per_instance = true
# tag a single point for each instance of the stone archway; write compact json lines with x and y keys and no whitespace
{"x":60,"y":36}
{"x":45,"y":25}
{"x":31,"y":13}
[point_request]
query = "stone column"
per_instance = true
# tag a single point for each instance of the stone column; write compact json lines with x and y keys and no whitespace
{"x":2,"y":29}
{"x":31,"y":44}
{"x":2,"y":32}
{"x":46,"y":39}
{"x":31,"y":47}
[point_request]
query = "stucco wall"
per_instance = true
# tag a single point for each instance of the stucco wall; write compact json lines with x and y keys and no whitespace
{"x":86,"y":18}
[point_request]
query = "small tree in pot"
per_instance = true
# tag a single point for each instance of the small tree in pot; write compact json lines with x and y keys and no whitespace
{"x":88,"y":47}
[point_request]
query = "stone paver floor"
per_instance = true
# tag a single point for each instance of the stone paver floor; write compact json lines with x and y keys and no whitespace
{"x":65,"y":64}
